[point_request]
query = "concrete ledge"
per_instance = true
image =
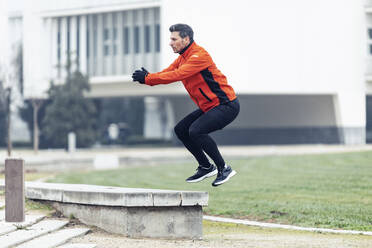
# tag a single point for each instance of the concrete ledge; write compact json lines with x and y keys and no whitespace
{"x":112,"y":196}
{"x":133,"y":212}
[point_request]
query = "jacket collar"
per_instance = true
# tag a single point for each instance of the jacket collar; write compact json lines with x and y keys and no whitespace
{"x":186,"y":49}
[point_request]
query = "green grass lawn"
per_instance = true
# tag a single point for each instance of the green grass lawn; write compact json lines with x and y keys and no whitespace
{"x":32,"y":176}
{"x":332,"y":191}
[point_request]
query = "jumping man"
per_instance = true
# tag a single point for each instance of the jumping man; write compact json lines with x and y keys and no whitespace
{"x":208,"y":88}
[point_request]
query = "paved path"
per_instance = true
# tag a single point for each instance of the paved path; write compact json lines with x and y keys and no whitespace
{"x":37,"y":231}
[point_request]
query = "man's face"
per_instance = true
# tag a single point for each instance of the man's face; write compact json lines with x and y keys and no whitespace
{"x":177,"y":42}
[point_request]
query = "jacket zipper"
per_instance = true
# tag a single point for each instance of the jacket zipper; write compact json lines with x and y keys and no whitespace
{"x":204,"y":95}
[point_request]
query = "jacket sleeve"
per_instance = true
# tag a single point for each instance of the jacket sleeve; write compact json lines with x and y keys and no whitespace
{"x":193,"y":65}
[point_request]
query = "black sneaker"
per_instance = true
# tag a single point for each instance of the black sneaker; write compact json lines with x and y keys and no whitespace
{"x":223,"y":176}
{"x":202,"y":173}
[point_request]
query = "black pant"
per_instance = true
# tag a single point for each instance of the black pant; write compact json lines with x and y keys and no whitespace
{"x":193,"y":131}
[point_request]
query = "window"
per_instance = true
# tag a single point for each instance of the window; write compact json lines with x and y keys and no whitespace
{"x":78,"y":37}
{"x":136,"y":40}
{"x":115,"y":34}
{"x":113,"y":43}
{"x":126,"y":40}
{"x":157,"y":37}
{"x":68,"y":43}
{"x":147,"y":38}
{"x":59,"y":48}
{"x":88,"y":44}
{"x":94,"y":17}
{"x":114,"y":50}
{"x":106,"y":50}
{"x":106,"y":40}
{"x":370,"y":41}
{"x":106,"y":34}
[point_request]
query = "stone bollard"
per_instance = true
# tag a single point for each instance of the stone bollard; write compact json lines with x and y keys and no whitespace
{"x":14,"y":190}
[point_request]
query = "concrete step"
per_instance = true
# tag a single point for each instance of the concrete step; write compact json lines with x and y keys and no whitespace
{"x":7,"y":227}
{"x":54,"y":239}
{"x":34,"y":231}
{"x":78,"y":246}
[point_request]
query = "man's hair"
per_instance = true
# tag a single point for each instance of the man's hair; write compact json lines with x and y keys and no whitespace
{"x":184,"y":29}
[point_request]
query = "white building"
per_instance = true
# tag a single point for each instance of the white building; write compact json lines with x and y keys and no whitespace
{"x":301,"y":68}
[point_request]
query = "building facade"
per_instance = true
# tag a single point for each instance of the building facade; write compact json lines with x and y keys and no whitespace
{"x":301,"y":68}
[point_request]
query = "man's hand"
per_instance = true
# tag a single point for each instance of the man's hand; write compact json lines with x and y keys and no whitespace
{"x":139,"y":75}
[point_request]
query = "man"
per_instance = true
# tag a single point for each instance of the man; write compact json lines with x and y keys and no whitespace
{"x":208,"y":88}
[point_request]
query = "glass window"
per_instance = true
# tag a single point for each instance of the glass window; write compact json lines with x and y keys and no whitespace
{"x":370,"y":33}
{"x":117,"y":37}
{"x":95,"y":39}
{"x":88,"y":43}
{"x":126,"y":40}
{"x":157,"y":37}
{"x":59,"y":46}
{"x":68,"y":40}
{"x":136,"y":40}
{"x":114,"y":33}
{"x":147,"y":38}
{"x":78,"y":38}
{"x":106,"y":50}
{"x":106,"y":34}
{"x":114,"y":50}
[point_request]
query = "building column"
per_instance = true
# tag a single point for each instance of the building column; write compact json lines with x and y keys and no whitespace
{"x":54,"y":49}
{"x":351,"y":117}
{"x":99,"y":59}
{"x":107,"y":59}
{"x":138,"y":21}
{"x":63,"y":40}
{"x":157,"y":66}
{"x":73,"y":43}
{"x":119,"y":61}
{"x":159,"y":118}
{"x":153,"y":123}
{"x":128,"y":58}
{"x":148,"y":18}
{"x":114,"y":43}
{"x":83,"y":45}
{"x":92,"y":44}
{"x":48,"y":52}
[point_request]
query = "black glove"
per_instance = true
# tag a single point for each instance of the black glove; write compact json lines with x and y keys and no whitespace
{"x":139,"y":75}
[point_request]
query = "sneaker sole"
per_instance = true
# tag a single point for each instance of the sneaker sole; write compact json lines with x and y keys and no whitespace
{"x":233,"y":173}
{"x":210,"y":174}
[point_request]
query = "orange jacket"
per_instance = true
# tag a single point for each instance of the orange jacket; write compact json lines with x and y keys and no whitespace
{"x":206,"y":85}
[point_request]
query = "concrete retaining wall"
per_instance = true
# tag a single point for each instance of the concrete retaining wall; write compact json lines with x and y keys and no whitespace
{"x":155,"y":222}
{"x":129,"y":211}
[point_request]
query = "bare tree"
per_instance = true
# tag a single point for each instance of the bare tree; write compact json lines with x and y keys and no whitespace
{"x":11,"y":89}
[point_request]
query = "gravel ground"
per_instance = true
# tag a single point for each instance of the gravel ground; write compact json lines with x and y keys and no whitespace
{"x":252,"y":237}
